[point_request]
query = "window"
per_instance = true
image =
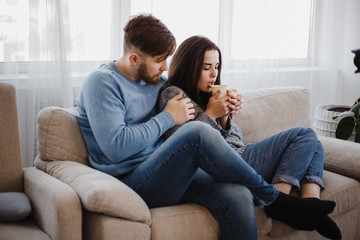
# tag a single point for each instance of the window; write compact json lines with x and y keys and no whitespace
{"x":14,"y":34}
{"x":184,"y":18}
{"x":89,"y":23}
{"x":270,"y":29}
{"x":244,"y":29}
{"x":90,"y":30}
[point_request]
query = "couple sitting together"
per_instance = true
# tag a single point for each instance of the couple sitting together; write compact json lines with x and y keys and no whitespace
{"x":173,"y":142}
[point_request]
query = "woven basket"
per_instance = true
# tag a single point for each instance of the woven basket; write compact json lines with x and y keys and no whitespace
{"x":323,"y":123}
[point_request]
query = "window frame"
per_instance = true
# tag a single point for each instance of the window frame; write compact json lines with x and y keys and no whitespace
{"x":121,"y":11}
{"x":225,"y":42}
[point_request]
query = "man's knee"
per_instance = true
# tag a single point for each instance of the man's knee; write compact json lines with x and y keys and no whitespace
{"x":197,"y":127}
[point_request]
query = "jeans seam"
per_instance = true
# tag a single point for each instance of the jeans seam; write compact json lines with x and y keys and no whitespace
{"x":290,"y":143}
{"x":270,"y":153}
{"x":224,"y":208}
{"x":161,"y":165}
{"x":213,"y":167}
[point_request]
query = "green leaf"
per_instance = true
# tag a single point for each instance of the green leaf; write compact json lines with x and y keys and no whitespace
{"x":356,"y":109}
{"x":357,"y":135}
{"x":345,"y":128}
{"x":345,"y":114}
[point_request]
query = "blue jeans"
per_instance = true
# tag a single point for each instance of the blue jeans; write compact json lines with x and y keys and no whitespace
{"x":294,"y":156}
{"x":197,"y":165}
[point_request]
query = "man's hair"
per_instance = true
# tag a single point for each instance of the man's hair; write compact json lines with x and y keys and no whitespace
{"x":149,"y":35}
{"x":186,"y":66}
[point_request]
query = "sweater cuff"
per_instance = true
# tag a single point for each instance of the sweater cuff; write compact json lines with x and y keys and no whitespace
{"x":167,"y":119}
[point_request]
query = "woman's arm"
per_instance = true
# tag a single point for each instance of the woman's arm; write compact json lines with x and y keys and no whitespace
{"x":200,"y":114}
{"x":166,"y":95}
{"x":224,"y":122}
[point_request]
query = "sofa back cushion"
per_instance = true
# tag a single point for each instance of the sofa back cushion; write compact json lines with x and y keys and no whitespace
{"x":59,"y":136}
{"x":268,"y":111}
{"x":11,"y":172}
{"x":264,"y":113}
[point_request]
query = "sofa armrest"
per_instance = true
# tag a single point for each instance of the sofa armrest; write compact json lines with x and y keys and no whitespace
{"x":98,"y":191}
{"x":56,"y":207}
{"x":341,"y":157}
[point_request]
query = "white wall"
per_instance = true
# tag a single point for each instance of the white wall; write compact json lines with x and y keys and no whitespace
{"x":350,"y":82}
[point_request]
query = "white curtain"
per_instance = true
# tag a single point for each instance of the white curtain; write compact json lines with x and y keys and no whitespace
{"x":49,"y":65}
{"x":329,"y":57}
{"x":47,"y":47}
{"x":45,"y":77}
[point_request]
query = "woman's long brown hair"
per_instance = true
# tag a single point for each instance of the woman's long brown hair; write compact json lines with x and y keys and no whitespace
{"x":186,"y":66}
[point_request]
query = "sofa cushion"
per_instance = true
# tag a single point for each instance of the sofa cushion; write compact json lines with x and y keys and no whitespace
{"x":98,"y":191}
{"x":192,"y":221}
{"x":98,"y":226}
{"x":14,"y":206}
{"x":25,"y":229}
{"x":343,"y":190}
{"x":185,"y":221}
{"x":59,"y":136}
{"x":341,"y":156}
{"x":272,"y":107}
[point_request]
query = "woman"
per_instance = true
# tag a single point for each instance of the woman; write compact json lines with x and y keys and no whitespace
{"x":195,"y":66}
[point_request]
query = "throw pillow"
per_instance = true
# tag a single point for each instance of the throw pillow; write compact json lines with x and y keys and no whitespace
{"x":14,"y":206}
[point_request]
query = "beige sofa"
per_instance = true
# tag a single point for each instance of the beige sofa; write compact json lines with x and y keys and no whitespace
{"x":111,"y":210}
{"x":55,"y":207}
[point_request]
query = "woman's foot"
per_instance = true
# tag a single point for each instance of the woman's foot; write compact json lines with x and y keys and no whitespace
{"x":298,"y":212}
{"x":327,"y":227}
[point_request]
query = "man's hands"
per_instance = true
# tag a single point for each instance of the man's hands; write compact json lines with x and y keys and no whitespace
{"x":182,"y":110}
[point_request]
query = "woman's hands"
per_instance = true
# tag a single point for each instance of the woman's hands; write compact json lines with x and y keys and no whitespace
{"x":217,"y":107}
{"x":222,"y":107}
{"x":236,"y":100}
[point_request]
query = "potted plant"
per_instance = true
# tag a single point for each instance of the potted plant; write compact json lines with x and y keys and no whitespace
{"x":339,"y":121}
{"x":350,"y":121}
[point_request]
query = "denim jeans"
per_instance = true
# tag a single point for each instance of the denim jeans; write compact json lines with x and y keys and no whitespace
{"x":197,"y":165}
{"x":294,"y":156}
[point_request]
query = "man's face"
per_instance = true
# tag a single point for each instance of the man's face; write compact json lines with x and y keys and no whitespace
{"x":151,"y":68}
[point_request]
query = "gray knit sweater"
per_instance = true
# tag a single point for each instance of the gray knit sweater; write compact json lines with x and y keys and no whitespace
{"x":233,"y":135}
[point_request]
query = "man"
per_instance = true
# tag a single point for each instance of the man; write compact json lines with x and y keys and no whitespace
{"x":123,"y":132}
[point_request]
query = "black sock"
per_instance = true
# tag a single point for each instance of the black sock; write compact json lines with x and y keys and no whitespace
{"x":327,"y":227}
{"x":325,"y":206}
{"x":298,"y":212}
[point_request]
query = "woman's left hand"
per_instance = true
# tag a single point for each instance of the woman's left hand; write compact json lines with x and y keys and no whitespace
{"x":235,"y":102}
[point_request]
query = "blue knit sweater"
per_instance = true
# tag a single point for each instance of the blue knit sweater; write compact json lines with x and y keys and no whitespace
{"x":118,"y":120}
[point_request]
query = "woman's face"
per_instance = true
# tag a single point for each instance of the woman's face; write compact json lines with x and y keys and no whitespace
{"x":209,"y":71}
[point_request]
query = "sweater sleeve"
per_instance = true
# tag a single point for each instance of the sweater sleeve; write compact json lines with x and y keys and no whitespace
{"x":233,"y":135}
{"x":117,"y":139}
{"x":171,"y":91}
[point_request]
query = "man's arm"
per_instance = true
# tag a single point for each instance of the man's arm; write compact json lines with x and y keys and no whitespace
{"x":106,"y":111}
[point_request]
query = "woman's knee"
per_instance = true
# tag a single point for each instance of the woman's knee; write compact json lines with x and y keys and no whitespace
{"x":306,"y":131}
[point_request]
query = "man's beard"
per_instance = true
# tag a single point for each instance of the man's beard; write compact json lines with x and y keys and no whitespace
{"x":144,"y":75}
